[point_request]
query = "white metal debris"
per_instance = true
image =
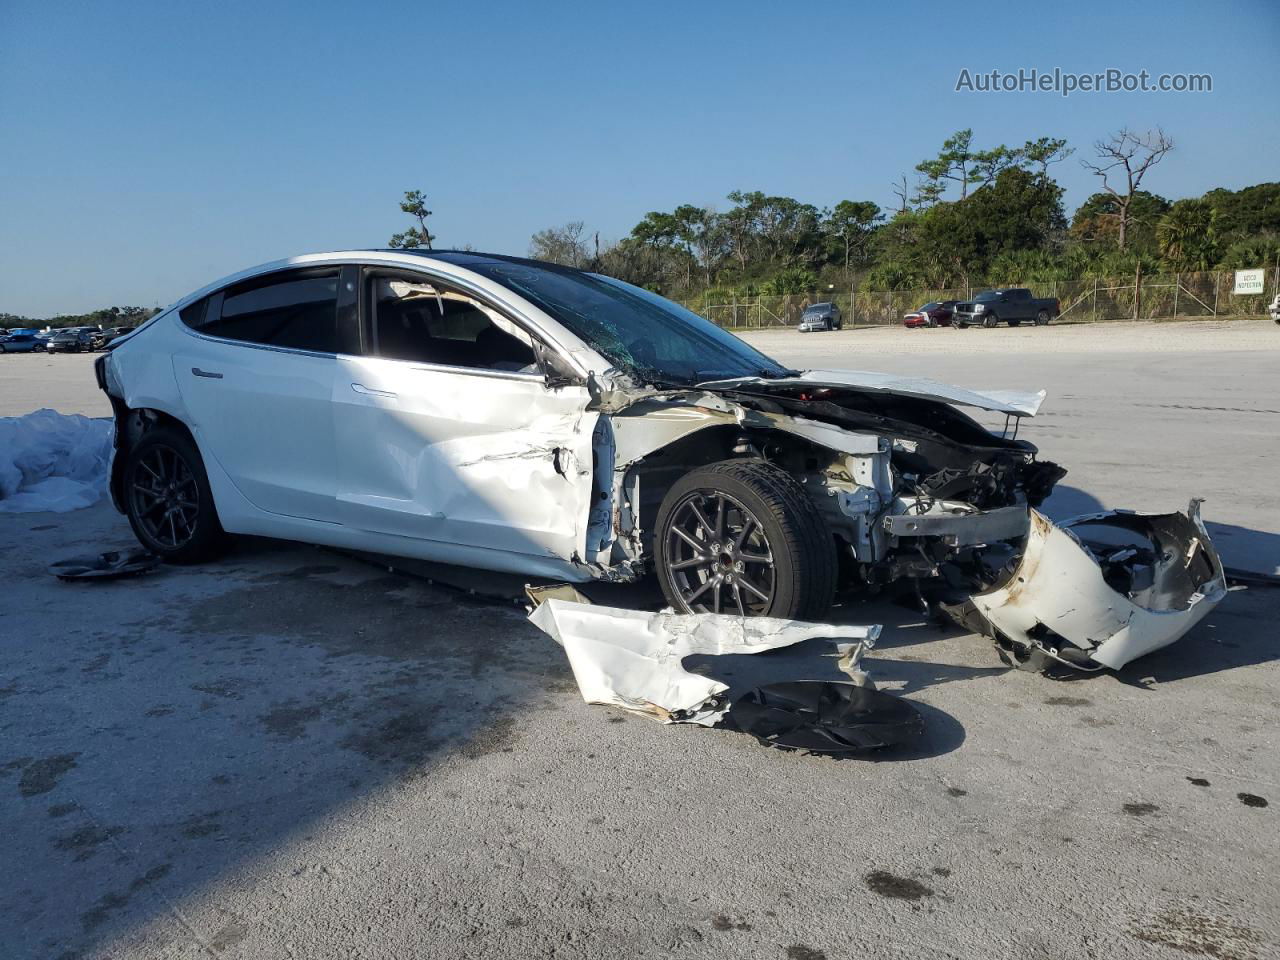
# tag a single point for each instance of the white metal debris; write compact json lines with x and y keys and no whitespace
{"x":1060,"y":592}
{"x":633,"y":659}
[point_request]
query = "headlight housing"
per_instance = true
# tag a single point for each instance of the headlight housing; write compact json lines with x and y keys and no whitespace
{"x":979,"y":307}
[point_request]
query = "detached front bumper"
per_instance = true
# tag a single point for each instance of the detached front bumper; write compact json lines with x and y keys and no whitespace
{"x":1101,"y":590}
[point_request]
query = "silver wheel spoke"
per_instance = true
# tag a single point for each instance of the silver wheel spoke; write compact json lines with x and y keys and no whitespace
{"x":742,"y":535}
{"x":696,"y":544}
{"x":700,"y":591}
{"x":702,"y":521}
{"x":754,"y":589}
{"x":699,"y":561}
{"x":754,"y":558}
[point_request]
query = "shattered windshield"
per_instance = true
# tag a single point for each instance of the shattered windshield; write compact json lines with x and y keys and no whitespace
{"x":640,"y":332}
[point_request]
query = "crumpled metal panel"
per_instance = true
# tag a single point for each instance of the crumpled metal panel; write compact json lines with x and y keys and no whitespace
{"x":1015,"y":403}
{"x":1059,"y":591}
{"x":632,"y":659}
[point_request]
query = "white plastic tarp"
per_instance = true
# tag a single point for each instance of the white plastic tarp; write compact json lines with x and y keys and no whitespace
{"x":51,"y":461}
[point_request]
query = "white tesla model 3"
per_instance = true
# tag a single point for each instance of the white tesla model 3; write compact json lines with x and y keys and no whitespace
{"x":526,"y":417}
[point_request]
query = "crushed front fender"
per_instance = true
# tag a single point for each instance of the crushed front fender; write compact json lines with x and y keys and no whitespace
{"x":1102,"y":590}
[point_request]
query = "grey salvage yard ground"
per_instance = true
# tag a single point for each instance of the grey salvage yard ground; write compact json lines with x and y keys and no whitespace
{"x":293,"y":753}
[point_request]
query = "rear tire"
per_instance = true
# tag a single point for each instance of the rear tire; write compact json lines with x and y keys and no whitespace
{"x":742,"y":537}
{"x":1042,"y":318}
{"x":168,"y":500}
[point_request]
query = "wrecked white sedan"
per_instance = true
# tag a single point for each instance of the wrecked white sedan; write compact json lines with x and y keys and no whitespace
{"x":525,"y":417}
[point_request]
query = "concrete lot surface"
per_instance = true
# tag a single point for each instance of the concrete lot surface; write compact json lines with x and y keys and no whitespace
{"x":291,"y":753}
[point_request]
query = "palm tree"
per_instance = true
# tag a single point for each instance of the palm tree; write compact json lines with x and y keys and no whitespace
{"x":1187,"y":236}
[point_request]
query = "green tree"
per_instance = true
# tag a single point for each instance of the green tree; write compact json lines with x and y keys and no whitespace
{"x":952,"y":163}
{"x":850,"y":225}
{"x":989,"y":164}
{"x":414,"y":204}
{"x":1097,"y":220}
{"x":1187,"y":235}
{"x":1247,"y":212}
{"x":790,"y":280}
{"x":1040,"y":153}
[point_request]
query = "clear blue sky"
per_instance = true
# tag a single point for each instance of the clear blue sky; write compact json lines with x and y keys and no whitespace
{"x":147,"y":148}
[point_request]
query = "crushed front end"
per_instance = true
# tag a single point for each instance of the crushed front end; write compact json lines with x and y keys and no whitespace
{"x":1100,"y":590}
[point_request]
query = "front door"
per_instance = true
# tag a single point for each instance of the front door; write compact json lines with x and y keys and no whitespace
{"x":448,"y":430}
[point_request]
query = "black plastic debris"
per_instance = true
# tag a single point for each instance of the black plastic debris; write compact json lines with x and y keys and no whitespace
{"x":832,"y":718}
{"x":105,"y":566}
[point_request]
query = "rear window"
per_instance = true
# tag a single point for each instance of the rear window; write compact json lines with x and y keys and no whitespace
{"x":297,"y":310}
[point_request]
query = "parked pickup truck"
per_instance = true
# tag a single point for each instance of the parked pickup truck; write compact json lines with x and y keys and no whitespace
{"x":1012,"y":306}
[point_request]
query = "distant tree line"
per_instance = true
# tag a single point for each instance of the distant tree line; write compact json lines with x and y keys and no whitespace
{"x":104,"y":317}
{"x":974,"y":215}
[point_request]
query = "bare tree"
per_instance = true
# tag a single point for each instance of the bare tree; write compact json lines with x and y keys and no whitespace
{"x":902,"y":192}
{"x":1125,"y":158}
{"x":563,"y":245}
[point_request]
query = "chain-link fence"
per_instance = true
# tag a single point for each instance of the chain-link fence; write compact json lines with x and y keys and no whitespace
{"x":1137,"y":297}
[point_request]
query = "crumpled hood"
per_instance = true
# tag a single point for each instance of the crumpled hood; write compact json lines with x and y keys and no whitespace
{"x":1015,"y":403}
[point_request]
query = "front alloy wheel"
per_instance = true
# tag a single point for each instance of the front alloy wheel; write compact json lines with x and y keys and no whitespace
{"x":718,"y":557}
{"x":743,"y":537}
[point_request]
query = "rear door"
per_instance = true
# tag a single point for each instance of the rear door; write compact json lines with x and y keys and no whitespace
{"x":449,"y":430}
{"x":257,"y":374}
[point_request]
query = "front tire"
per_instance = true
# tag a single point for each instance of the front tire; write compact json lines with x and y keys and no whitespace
{"x":742,"y":537}
{"x":990,"y":321}
{"x":168,"y":500}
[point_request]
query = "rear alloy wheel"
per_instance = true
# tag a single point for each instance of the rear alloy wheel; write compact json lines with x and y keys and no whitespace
{"x":742,"y":537}
{"x":1042,"y":318}
{"x":168,"y":500}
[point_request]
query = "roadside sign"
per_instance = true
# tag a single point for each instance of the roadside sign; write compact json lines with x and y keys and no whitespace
{"x":1250,"y":281}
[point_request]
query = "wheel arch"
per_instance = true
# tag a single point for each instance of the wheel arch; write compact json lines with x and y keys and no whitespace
{"x":653,"y":474}
{"x":131,"y":424}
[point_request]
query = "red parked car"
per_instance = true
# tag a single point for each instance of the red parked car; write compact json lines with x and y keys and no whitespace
{"x":936,"y":313}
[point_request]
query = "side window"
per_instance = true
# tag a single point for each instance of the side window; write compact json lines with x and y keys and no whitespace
{"x":297,"y":309}
{"x":428,"y":322}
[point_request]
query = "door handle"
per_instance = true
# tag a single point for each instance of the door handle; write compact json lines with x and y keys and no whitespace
{"x":206,"y":373}
{"x":370,"y":392}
